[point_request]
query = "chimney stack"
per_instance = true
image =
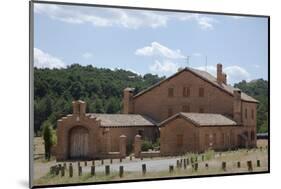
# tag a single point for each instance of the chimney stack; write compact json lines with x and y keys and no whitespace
{"x":221,"y":77}
{"x":237,"y":106}
{"x":79,"y":108}
{"x":128,"y":106}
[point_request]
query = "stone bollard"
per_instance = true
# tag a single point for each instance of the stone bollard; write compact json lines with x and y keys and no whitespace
{"x":143,"y":169}
{"x":78,"y":164}
{"x":187,"y":161}
{"x":79,"y":170}
{"x":111,"y":161}
{"x":85,"y":163}
{"x":178,"y":163}
{"x":58,"y":169}
{"x":203,"y":158}
{"x":93,"y":163}
{"x":70,"y":170}
{"x":121,"y":171}
{"x":53,"y":170}
{"x":171,"y":168}
{"x":223,"y":166}
{"x":102,"y":162}
{"x":238,"y":164}
{"x":207,"y":165}
{"x":195,"y":166}
{"x":184,"y":164}
{"x":191,"y":160}
{"x":64,"y":166}
{"x":196,"y":159}
{"x":93,"y":170}
{"x":120,"y":159}
{"x":249,"y":165}
{"x":258,"y":163}
{"x":62,"y":171}
{"x":107,"y":170}
{"x":131,"y":158}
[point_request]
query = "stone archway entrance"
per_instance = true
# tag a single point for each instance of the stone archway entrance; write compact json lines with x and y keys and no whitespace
{"x":79,"y":143}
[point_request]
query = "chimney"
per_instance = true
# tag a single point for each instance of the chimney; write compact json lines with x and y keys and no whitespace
{"x":128,"y":106}
{"x":221,"y":77}
{"x":224,"y":78}
{"x":237,"y":106}
{"x":79,"y":108}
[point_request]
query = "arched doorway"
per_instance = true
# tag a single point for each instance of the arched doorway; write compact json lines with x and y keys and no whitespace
{"x":79,"y":143}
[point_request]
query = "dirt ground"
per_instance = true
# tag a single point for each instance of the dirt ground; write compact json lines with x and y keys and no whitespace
{"x":156,"y":167}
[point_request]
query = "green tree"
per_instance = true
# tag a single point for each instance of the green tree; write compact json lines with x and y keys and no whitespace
{"x":49,"y":138}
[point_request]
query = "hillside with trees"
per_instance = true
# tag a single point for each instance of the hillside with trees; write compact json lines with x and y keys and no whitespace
{"x":102,"y":90}
{"x":259,"y":90}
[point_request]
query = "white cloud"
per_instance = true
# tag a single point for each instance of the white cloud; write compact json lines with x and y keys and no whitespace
{"x":45,"y":60}
{"x":237,"y":17}
{"x":164,"y":68}
{"x":196,"y":54}
{"x":87,"y":55}
{"x":234,"y":73}
{"x":156,"y":49}
{"x":132,"y":19}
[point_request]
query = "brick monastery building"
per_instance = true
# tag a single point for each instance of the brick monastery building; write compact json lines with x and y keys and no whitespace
{"x":191,"y":111}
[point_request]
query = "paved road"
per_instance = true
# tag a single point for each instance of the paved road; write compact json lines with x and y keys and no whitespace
{"x":155,"y":165}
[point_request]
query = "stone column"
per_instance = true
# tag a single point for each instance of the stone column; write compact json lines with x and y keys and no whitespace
{"x":137,"y":146}
{"x":122,"y":146}
{"x":107,"y":140}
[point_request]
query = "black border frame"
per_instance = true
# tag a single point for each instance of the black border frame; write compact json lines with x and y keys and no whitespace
{"x":31,"y":91}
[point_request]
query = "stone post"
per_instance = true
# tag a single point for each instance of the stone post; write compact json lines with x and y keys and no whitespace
{"x":121,"y":171}
{"x":258,"y":163}
{"x":122,"y":146}
{"x":143,"y":169}
{"x":93,"y":170}
{"x":107,"y":170}
{"x":223,"y":165}
{"x":171,"y":168}
{"x":137,"y":146}
{"x":70,"y":170}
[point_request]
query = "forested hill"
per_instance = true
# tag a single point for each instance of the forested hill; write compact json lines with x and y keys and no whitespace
{"x":102,"y":89}
{"x":259,"y":90}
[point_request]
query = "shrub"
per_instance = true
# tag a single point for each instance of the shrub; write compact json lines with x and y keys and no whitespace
{"x":49,"y":138}
{"x":146,"y":145}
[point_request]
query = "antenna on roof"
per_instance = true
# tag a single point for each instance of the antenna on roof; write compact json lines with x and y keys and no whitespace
{"x":206,"y":63}
{"x":187,"y":60}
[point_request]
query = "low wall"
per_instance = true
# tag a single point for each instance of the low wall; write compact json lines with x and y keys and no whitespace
{"x":110,"y":155}
{"x":150,"y":154}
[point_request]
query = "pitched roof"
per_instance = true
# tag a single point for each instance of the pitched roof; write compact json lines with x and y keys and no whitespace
{"x":207,"y":77}
{"x":203,"y":119}
{"x":122,"y":120}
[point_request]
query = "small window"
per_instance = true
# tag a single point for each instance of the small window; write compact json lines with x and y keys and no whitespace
{"x":246,"y":113}
{"x":186,"y":92}
{"x":170,"y":92}
{"x":170,"y":112}
{"x":185,"y":108}
{"x":252,"y":114}
{"x":201,"y":92}
{"x":179,"y":140}
{"x":201,"y":110}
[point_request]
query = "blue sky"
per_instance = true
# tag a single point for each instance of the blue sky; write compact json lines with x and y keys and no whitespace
{"x":150,"y":41}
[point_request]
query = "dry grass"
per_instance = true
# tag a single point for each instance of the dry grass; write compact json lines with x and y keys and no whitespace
{"x":214,"y":161}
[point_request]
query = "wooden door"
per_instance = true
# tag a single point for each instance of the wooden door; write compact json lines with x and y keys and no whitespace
{"x":79,"y":143}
